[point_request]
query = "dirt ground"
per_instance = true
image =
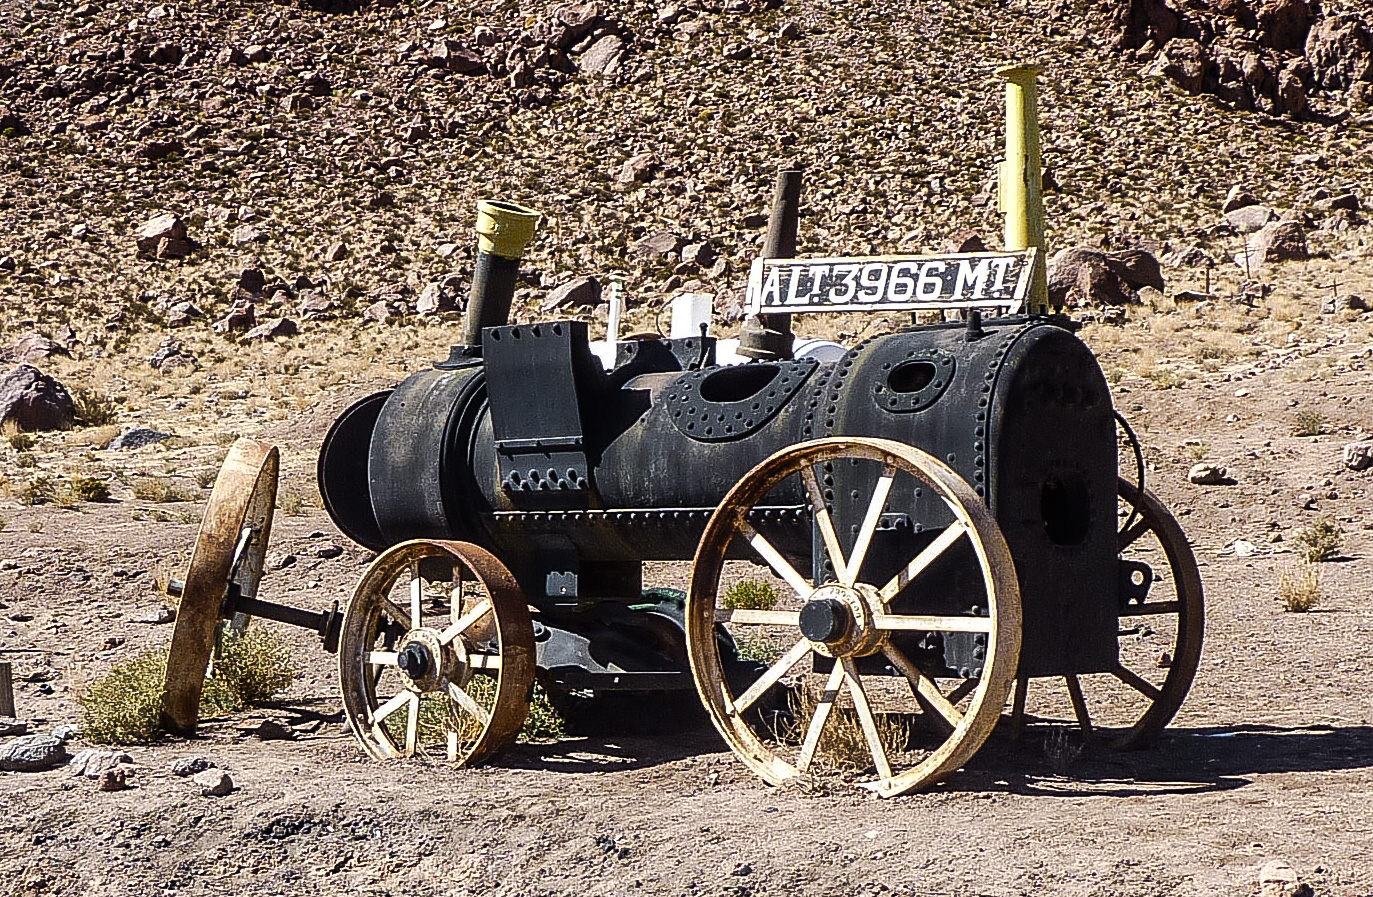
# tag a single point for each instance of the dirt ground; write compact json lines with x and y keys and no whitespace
{"x":1271,"y":756}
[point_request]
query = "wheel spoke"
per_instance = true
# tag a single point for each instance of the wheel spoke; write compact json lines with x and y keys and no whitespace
{"x":1137,"y":682}
{"x":924,"y":686}
{"x":1084,"y":719}
{"x":768,"y":679}
{"x":412,"y":725}
{"x":381,"y":658}
{"x":870,"y":521}
{"x":921,"y":561}
{"x":484,"y":661}
{"x":1126,"y":538}
{"x":818,"y":719}
{"x":759,"y":617}
{"x":390,"y":707}
{"x":779,"y":564}
{"x":465,"y":621}
{"x":909,"y":622}
{"x":962,"y":690}
{"x":866,"y":720}
{"x":416,"y":593}
{"x":398,"y":613}
{"x":824,"y":522}
{"x":466,"y":702}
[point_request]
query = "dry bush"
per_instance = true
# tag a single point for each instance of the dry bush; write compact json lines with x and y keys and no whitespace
{"x":256,"y":664}
{"x":751,"y":594}
{"x":292,"y":503}
{"x":125,"y":706}
{"x":1308,"y":422}
{"x":1300,"y":589}
{"x":92,"y":409}
{"x":40,"y":491}
{"x":20,"y":441}
{"x":843,"y":746}
{"x":89,"y":489}
{"x":1321,"y":540}
{"x":160,"y":491}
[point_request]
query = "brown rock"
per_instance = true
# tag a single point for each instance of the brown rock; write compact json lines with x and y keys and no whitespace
{"x":34,"y":347}
{"x":1249,"y":219}
{"x":964,"y":241}
{"x":34,"y":401}
{"x":603,"y":57}
{"x":579,"y":292}
{"x":637,"y":169}
{"x":273,"y":329}
{"x":163,"y":237}
{"x":1238,"y":198}
{"x":113,"y":779}
{"x":656,"y":244}
{"x":241,"y":318}
{"x":1340,"y":50}
{"x":1280,"y":241}
{"x":1082,"y":277}
{"x":1184,"y":62}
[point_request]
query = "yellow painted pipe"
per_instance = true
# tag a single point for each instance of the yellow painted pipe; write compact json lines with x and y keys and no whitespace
{"x":1019,"y":193}
{"x":504,"y":228}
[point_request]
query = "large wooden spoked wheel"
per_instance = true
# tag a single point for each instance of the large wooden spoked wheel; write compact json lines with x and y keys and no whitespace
{"x":436,"y":654}
{"x":1161,"y":631}
{"x":850,"y":717}
{"x":229,"y":553}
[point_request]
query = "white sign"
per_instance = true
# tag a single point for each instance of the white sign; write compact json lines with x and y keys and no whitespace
{"x":891,"y":282}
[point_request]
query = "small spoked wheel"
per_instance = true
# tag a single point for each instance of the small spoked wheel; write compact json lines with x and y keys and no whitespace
{"x":228,"y":557}
{"x":436,"y":654}
{"x":893,"y":668}
{"x":1162,"y":623}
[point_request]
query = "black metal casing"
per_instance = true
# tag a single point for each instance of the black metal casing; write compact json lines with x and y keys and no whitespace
{"x":575,"y":476}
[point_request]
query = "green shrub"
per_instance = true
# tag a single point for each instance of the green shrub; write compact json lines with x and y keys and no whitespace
{"x":89,"y":489}
{"x":40,"y":491}
{"x":160,"y":491}
{"x":256,"y":664}
{"x":1308,"y":422}
{"x":751,"y":594}
{"x":1321,"y":540}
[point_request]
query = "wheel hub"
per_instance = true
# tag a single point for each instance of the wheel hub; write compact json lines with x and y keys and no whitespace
{"x":838,"y":620}
{"x":427,"y":662}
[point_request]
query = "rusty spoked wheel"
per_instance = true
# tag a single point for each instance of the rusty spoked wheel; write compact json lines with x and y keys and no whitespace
{"x":1162,"y":623}
{"x":229,"y":554}
{"x":436,"y":654}
{"x":852,"y":678}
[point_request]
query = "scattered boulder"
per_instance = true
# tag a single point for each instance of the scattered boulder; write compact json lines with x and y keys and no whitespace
{"x":241,"y":318}
{"x":337,"y":252}
{"x":213,"y":783}
{"x":164,"y":237}
{"x":1238,"y":197}
{"x":1278,"y":879}
{"x":35,"y":347}
{"x":115,"y":778}
{"x":1278,"y":241}
{"x":964,"y":241}
{"x":273,"y":329}
{"x":638,"y":169}
{"x":378,"y":311}
{"x":32,"y":753}
{"x":579,"y":292}
{"x":656,"y":245}
{"x":1358,"y":455}
{"x":1208,"y":475}
{"x":9,"y":726}
{"x":441,"y":296}
{"x":94,"y":761}
{"x":171,"y":355}
{"x":138,"y":437}
{"x":245,"y":234}
{"x":181,"y":314}
{"x":189,"y":766}
{"x":34,"y":401}
{"x":1184,"y":62}
{"x":314,"y":306}
{"x":1251,"y":218}
{"x":604,"y":57}
{"x":1081,"y":277}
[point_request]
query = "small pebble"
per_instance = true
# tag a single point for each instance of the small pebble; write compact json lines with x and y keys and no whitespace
{"x":189,"y":766}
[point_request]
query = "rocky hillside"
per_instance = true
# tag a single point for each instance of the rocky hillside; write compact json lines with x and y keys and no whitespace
{"x":164,"y":161}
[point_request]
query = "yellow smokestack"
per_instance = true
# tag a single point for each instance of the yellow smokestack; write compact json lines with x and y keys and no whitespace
{"x":1019,"y":193}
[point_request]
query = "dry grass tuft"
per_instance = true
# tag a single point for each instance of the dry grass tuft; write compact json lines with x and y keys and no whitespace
{"x":92,"y":409}
{"x":843,"y":746}
{"x":1300,"y":589}
{"x":1308,"y":422}
{"x":160,"y":491}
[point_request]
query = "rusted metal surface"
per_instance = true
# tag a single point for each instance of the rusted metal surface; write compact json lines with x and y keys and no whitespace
{"x":229,"y":552}
{"x":463,"y":640}
{"x":867,"y":621}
